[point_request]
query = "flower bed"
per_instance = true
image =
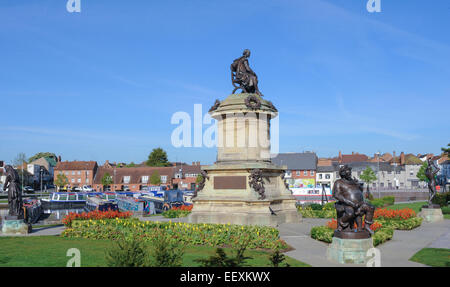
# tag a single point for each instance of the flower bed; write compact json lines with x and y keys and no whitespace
{"x":184,"y":233}
{"x":95,"y":215}
{"x":176,"y":212}
{"x":399,"y":214}
{"x":402,"y":224}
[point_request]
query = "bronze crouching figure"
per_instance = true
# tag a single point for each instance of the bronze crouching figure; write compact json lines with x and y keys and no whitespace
{"x":351,"y":207}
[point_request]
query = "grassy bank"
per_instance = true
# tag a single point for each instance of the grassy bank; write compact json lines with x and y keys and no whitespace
{"x":50,"y":251}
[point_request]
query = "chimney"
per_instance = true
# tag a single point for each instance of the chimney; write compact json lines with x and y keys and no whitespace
{"x":193,"y":163}
{"x":59,"y":159}
{"x":340,"y":155}
{"x":402,"y":158}
{"x":353,"y":153}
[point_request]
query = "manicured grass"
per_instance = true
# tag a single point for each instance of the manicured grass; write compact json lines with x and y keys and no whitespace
{"x":413,"y":205}
{"x":446,"y":216}
{"x":50,"y":251}
{"x":436,"y":257}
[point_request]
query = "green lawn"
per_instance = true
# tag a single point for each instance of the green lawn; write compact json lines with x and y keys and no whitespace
{"x":436,"y":257}
{"x":50,"y":251}
{"x":446,"y":216}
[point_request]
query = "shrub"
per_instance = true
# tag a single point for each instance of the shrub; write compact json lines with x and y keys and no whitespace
{"x":388,"y":200}
{"x":220,"y":259}
{"x":445,"y":210}
{"x":126,"y":253}
{"x":441,"y":198}
{"x":378,"y":202}
{"x":308,"y":212}
{"x":166,"y":253}
{"x":277,"y":258}
{"x":329,"y":206}
{"x":315,"y":206}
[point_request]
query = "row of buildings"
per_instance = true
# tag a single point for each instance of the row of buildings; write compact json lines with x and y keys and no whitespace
{"x":80,"y":173}
{"x":392,"y":171}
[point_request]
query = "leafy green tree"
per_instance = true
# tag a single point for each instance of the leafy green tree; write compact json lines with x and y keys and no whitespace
{"x":107,"y":180}
{"x":421,"y":173}
{"x":368,"y":176}
{"x":43,"y":154}
{"x":446,"y":150}
{"x":131,"y":164}
{"x":61,"y":180}
{"x":155,"y":179}
{"x":158,"y":157}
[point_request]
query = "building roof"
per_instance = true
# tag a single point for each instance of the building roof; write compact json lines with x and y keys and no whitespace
{"x":329,"y":168}
{"x":297,"y":161}
{"x":347,"y":158}
{"x":135,"y":173}
{"x":76,"y":165}
{"x":384,"y":166}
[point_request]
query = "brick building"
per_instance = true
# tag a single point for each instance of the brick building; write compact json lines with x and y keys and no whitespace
{"x":301,"y":168}
{"x":78,"y":173}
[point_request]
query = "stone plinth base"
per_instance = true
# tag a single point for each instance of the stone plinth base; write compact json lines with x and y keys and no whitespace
{"x":431,"y":215}
{"x":349,"y":251}
{"x":243,"y":213}
{"x":14,"y":226}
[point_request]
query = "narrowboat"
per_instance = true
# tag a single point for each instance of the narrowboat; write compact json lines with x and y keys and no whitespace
{"x":58,"y":200}
{"x":101,"y":203}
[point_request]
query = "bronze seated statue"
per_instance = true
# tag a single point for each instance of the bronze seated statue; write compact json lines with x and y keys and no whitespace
{"x":242,"y":76}
{"x":351,"y":207}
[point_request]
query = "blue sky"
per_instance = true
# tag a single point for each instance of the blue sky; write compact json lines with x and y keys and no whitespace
{"x":104,"y":83}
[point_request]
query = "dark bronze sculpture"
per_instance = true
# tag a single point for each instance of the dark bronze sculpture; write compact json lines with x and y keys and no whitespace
{"x":201,"y":184}
{"x":215,"y":106}
{"x":351,"y":207}
{"x":430,"y":173}
{"x":12,"y":184}
{"x":242,"y":76}
{"x":256,"y":182}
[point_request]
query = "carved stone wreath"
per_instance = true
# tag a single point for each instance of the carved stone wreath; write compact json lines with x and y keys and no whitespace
{"x":271,"y":106}
{"x":253,"y":102}
{"x":215,"y":106}
{"x":201,"y":184}
{"x":256,"y":182}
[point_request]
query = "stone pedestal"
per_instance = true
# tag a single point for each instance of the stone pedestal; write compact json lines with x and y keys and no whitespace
{"x":349,"y":251}
{"x":243,"y":144}
{"x":13,"y":226}
{"x":431,"y":215}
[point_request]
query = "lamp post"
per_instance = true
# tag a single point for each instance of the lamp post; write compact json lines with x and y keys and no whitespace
{"x":378,"y":174}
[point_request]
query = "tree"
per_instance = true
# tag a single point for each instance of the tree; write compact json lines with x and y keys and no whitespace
{"x":107,"y":180}
{"x":20,"y":159}
{"x":446,"y":150}
{"x":368,"y":176}
{"x":43,"y":154}
{"x":158,"y":157}
{"x":421,"y":173}
{"x":155,"y":179}
{"x":131,"y":164}
{"x":61,"y":180}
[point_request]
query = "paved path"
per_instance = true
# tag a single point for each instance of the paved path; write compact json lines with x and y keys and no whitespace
{"x":42,"y":231}
{"x":395,"y":252}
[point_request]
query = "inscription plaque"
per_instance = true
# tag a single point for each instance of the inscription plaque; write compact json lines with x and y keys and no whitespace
{"x":230,"y":182}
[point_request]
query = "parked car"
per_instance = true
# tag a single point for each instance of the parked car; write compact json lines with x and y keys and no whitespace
{"x":28,"y":189}
{"x":87,"y":188}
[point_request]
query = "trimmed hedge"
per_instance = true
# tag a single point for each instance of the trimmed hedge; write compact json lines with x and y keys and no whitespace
{"x":441,"y":198}
{"x":318,"y":211}
{"x":398,"y":224}
{"x":384,"y":201}
{"x":445,"y":210}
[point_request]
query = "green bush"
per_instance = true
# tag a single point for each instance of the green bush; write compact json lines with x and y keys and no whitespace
{"x":378,"y":202}
{"x":402,"y":224}
{"x":175,"y":213}
{"x":126,"y":253}
{"x":329,"y":206}
{"x":388,"y":200}
{"x":276,"y":258}
{"x":441,"y":198}
{"x":445,"y":209}
{"x":166,"y":253}
{"x":315,"y":206}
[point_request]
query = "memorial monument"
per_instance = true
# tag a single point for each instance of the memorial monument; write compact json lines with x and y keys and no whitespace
{"x":243,"y":186}
{"x":352,"y":237}
{"x":431,"y":212}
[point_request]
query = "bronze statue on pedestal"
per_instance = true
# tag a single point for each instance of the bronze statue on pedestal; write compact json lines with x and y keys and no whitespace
{"x":242,"y":76}
{"x":351,"y":207}
{"x":12,"y":184}
{"x":430,"y":173}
